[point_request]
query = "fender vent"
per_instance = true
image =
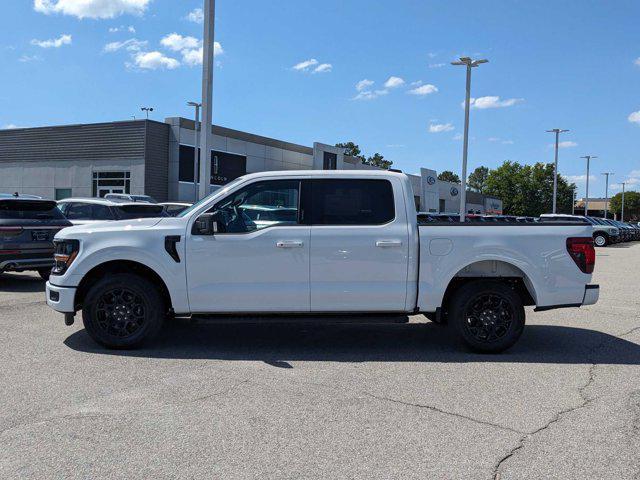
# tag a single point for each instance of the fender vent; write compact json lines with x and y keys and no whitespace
{"x":170,"y":242}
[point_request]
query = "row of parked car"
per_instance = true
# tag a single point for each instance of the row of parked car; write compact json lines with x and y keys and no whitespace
{"x":28,"y":223}
{"x":605,"y":231}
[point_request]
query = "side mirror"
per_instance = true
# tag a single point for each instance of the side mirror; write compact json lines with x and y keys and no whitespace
{"x":208,"y":224}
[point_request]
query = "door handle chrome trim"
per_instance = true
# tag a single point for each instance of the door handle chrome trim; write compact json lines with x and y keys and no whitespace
{"x":289,"y":244}
{"x":388,"y":243}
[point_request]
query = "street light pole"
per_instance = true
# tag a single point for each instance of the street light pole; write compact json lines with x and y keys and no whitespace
{"x":606,"y":193}
{"x":207,"y":98}
{"x":586,"y":200}
{"x":622,"y":213}
{"x":557,"y":131}
{"x":573,"y":200}
{"x":469,"y":63}
{"x":197,"y":106}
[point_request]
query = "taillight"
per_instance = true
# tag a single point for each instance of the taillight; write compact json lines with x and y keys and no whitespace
{"x":10,"y":231}
{"x":582,"y":251}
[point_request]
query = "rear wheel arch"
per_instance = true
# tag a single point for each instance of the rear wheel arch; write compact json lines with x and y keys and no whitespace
{"x":121,"y":266}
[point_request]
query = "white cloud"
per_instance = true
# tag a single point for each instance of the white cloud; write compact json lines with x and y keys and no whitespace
{"x":154,"y":61}
{"x":131,"y":29}
{"x":507,"y":142}
{"x":637,"y":61}
{"x":567,"y":144}
{"x":440,"y":127}
{"x":580,"y":178}
{"x":493,"y":102}
{"x":634,"y":117}
{"x":323,"y":68}
{"x":131,"y":45}
{"x":91,"y":8}
{"x":29,"y":58}
{"x":193,"y":57}
{"x":196,"y":15}
{"x":54,"y":42}
{"x":423,"y":90}
{"x":393,"y":82}
{"x":10,"y":126}
{"x":305,"y":65}
{"x":493,"y":139}
{"x":432,"y":55}
{"x":436,"y":65}
{"x":370,"y":94}
{"x":122,"y":28}
{"x":177,"y":42}
{"x":364,"y":84}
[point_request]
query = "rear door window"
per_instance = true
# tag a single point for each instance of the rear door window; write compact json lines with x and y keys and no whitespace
{"x":29,"y":210}
{"x":350,"y":202}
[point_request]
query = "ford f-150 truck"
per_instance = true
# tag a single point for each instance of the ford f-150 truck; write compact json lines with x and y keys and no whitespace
{"x":354,"y":247}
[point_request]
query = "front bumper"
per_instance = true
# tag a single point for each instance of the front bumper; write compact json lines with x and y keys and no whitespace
{"x":591,"y":294}
{"x":61,"y":299}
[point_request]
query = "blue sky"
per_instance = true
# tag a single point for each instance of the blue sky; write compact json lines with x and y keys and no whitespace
{"x":570,"y":64}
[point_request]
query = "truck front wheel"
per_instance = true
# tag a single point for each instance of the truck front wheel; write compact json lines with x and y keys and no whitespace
{"x":123,"y":311}
{"x":488,"y":315}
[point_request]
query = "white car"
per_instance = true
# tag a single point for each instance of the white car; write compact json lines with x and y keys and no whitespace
{"x":355,"y":248}
{"x":175,"y":208}
{"x":87,"y":211}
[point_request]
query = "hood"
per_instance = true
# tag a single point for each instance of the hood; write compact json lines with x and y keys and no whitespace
{"x":109,"y":226}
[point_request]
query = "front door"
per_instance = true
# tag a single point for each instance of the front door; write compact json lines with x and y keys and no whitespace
{"x":359,"y":246}
{"x":258,"y":261}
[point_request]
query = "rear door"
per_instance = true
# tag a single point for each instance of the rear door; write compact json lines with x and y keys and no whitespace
{"x":359,"y":244}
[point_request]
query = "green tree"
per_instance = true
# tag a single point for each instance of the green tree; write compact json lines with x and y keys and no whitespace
{"x":449,"y":176}
{"x":528,"y":189}
{"x":478,"y":179}
{"x":378,"y":160}
{"x":353,"y":150}
{"x":631,"y":205}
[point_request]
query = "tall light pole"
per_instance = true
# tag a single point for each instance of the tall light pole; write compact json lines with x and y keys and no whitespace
{"x":606,"y":193}
{"x":573,"y":200}
{"x":469,"y":63}
{"x":586,"y":200}
{"x":147,"y":110}
{"x":195,"y":148}
{"x":622,"y":213}
{"x":207,"y":98}
{"x":557,"y":131}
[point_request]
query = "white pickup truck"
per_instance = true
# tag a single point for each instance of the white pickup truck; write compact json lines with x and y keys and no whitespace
{"x":346,"y":243}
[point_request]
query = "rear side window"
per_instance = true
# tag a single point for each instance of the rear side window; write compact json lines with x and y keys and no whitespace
{"x":351,"y":202}
{"x":87,"y":211}
{"x":29,"y":210}
{"x":128,"y":212}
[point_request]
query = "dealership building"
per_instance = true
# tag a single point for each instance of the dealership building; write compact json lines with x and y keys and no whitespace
{"x":157,"y":159}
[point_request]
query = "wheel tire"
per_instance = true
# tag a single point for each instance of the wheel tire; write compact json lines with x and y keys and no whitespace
{"x":487,"y":315}
{"x":600,"y":240}
{"x":123,"y":311}
{"x":44,"y":273}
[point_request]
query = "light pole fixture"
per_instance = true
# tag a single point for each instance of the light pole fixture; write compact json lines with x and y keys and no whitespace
{"x":197,"y":106}
{"x":147,"y":110}
{"x":207,"y":98}
{"x":557,"y":131}
{"x":622,"y":213}
{"x":586,"y":200}
{"x":469,"y":63}
{"x":606,"y":192}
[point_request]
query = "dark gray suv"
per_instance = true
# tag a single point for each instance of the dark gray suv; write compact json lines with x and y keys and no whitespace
{"x":27,"y":228}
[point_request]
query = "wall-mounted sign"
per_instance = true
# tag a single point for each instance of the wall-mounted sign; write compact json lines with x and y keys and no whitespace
{"x":454,"y":191}
{"x":431,"y":180}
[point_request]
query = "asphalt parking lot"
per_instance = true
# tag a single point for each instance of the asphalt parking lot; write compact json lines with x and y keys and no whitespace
{"x":344,"y":401}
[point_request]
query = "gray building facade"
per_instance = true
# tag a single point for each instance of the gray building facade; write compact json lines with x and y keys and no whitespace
{"x":158,"y":159}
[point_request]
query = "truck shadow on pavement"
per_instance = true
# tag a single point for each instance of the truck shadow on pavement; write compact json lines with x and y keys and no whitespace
{"x":10,"y":282}
{"x":277,"y":344}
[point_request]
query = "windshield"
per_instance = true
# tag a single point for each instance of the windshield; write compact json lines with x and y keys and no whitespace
{"x":30,"y":210}
{"x":206,"y":199}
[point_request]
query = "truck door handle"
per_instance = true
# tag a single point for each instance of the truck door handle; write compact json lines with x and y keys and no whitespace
{"x":289,"y":244}
{"x":388,"y":243}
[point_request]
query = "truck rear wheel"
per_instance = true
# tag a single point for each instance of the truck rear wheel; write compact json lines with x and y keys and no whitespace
{"x":488,"y":315}
{"x":123,"y":311}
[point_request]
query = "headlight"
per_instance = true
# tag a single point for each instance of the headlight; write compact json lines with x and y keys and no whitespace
{"x":64,"y":254}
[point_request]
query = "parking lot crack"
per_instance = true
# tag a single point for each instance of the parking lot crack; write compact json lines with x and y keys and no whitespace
{"x":444,"y":412}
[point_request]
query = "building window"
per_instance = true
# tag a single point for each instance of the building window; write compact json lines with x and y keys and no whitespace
{"x":224,"y":166}
{"x":111,"y":182}
{"x":329,"y":161}
{"x":62,"y":193}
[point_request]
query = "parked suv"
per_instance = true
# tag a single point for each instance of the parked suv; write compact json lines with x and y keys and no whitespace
{"x":83,"y":211}
{"x":27,"y":228}
{"x":127,"y":197}
{"x":604,"y":233}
